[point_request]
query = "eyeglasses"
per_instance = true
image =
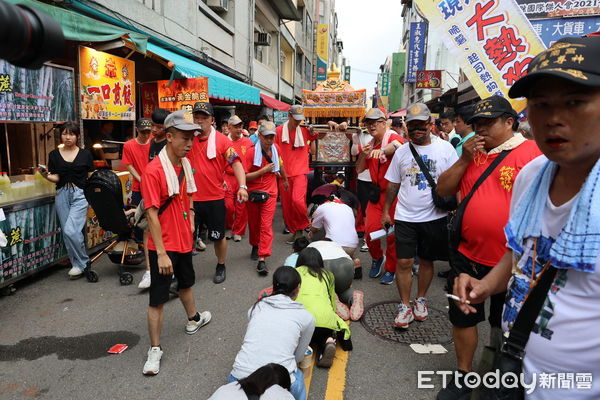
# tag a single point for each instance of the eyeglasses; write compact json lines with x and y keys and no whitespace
{"x":371,"y":122}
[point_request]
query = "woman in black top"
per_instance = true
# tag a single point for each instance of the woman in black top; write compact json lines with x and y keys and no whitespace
{"x":68,"y":167}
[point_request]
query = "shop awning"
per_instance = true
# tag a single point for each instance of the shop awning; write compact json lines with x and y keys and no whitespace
{"x":220,"y":86}
{"x":80,"y":28}
{"x":274,"y":103}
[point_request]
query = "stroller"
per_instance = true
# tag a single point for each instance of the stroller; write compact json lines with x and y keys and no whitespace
{"x":104,"y":194}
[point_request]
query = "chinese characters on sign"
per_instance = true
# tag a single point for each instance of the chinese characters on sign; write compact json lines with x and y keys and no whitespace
{"x":534,"y":9}
{"x":385,"y":84}
{"x":429,"y":79}
{"x":181,"y":94}
{"x":107,"y":85}
{"x":550,"y":30}
{"x":44,"y":95}
{"x":492,"y":40}
{"x":347,"y":73}
{"x":416,"y":50}
{"x":322,"y":51}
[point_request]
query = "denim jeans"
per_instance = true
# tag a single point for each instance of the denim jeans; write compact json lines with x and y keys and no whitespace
{"x":298,"y":389}
{"x":71,"y":207}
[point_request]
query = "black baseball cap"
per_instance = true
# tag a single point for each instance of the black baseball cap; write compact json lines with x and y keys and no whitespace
{"x":492,"y":107}
{"x":205,"y":108}
{"x":144,"y":124}
{"x":576,"y":59}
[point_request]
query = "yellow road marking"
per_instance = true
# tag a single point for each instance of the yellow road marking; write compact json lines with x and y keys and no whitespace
{"x":336,"y":382}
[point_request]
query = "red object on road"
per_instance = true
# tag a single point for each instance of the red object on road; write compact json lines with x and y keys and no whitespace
{"x":117,"y":349}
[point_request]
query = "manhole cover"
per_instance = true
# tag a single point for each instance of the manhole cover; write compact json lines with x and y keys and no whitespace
{"x":378,"y":319}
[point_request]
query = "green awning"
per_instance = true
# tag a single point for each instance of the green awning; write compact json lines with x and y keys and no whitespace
{"x":220,"y":86}
{"x":80,"y":28}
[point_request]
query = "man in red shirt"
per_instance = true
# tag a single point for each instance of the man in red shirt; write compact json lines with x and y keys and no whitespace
{"x":483,"y":242}
{"x":237,"y":215}
{"x":168,"y":203}
{"x":263,"y":164}
{"x":135,"y":156}
{"x":376,"y":156}
{"x":293,"y":140}
{"x":210,"y":155}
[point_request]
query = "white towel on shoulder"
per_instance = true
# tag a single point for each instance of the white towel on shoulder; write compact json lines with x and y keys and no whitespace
{"x":172,"y":177}
{"x":211,"y":150}
{"x":285,"y":135}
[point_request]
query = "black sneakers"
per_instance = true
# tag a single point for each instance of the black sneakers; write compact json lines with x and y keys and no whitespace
{"x":219,"y":274}
{"x":254,"y":254}
{"x":453,"y":391}
{"x":261,"y":268}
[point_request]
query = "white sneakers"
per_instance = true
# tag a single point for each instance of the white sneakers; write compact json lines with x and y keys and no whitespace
{"x":406,"y":315}
{"x":200,"y":246}
{"x":152,"y":365}
{"x":193,"y":326}
{"x":75,"y":273}
{"x":237,"y":238}
{"x":420,"y":309}
{"x":145,"y":282}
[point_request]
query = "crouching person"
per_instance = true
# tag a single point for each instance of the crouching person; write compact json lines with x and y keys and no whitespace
{"x":167,"y":186}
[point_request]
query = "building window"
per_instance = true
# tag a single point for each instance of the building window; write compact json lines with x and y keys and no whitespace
{"x":299,"y":63}
{"x":307,"y":72}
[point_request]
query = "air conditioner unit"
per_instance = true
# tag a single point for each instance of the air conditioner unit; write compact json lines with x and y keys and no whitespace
{"x":218,"y":5}
{"x":262,"y":39}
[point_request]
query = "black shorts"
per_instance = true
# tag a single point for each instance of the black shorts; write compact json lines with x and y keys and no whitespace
{"x":211,"y":213}
{"x":183,"y":269}
{"x":136,"y":197}
{"x":461,"y":264}
{"x":428,"y":240}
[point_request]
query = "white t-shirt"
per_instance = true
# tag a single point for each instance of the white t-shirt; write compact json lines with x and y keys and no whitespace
{"x":329,"y":250}
{"x":565,"y":342}
{"x":338,"y":221}
{"x":415,"y":203}
{"x":364,"y":138}
{"x":233,"y":391}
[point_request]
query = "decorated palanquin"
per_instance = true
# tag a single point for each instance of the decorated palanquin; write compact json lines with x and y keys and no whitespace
{"x":334,"y":98}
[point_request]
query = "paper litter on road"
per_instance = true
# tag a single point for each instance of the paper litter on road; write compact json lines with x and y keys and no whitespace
{"x":428,"y":348}
{"x":117,"y":349}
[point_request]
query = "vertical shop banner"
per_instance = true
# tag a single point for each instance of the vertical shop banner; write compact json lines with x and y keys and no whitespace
{"x":37,"y":95}
{"x":149,"y":94}
{"x":322,"y":51}
{"x":416,"y":49}
{"x":492,"y":40}
{"x":347,"y":70}
{"x":535,"y":9}
{"x":34,"y":240}
{"x":385,"y":84}
{"x":550,"y":30}
{"x":431,"y":79}
{"x":107,"y":85}
{"x":181,"y":94}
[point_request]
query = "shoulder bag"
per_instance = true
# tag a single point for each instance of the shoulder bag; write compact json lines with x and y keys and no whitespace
{"x":455,"y":221}
{"x":446,"y":203}
{"x":509,"y":358}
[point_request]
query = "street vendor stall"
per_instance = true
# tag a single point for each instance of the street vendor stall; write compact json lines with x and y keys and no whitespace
{"x":334,"y":100}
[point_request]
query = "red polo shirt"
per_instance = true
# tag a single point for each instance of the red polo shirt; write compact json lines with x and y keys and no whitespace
{"x":487,"y":212}
{"x":136,"y":155}
{"x":267,"y":182}
{"x":176,"y":230}
{"x":209,"y":173}
{"x":241,"y":147}
{"x":296,"y":158}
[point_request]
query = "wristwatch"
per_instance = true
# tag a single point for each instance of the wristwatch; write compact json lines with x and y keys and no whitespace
{"x":244,"y":187}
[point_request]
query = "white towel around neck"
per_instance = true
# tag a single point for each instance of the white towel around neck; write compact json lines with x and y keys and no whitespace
{"x":285,"y":135}
{"x":172,"y":177}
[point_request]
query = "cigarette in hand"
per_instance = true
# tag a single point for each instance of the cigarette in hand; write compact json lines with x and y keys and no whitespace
{"x":453,"y":297}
